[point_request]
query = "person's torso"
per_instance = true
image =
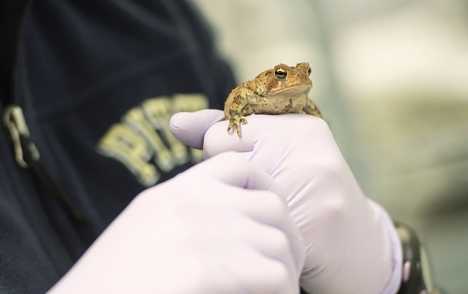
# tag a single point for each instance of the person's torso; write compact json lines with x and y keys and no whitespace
{"x":98,"y":83}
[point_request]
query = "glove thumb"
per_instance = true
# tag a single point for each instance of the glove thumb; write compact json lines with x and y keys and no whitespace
{"x":190,"y":127}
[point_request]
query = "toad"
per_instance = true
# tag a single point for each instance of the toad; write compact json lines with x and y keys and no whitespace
{"x":282,"y":89}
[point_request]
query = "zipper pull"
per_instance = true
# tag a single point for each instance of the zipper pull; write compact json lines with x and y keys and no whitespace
{"x":27,"y":156}
{"x":25,"y":150}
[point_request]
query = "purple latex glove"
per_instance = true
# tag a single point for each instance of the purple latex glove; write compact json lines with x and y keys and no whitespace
{"x":194,"y":234}
{"x":351,"y":246}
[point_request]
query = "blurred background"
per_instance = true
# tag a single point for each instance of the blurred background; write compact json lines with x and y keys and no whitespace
{"x":391,"y":79}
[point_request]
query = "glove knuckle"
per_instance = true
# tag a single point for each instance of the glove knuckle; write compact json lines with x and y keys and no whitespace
{"x":273,"y":203}
{"x":314,"y":123}
{"x":336,"y":209}
{"x":280,"y":242}
{"x":321,"y":125}
{"x":233,"y":160}
{"x":279,"y":274}
{"x":330,"y":170}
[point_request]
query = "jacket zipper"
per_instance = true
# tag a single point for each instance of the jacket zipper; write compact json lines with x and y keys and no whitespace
{"x":26,"y":153}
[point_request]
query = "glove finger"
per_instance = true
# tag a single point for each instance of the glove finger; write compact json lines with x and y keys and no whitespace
{"x":218,"y":140}
{"x":268,"y":209}
{"x":233,"y":169}
{"x":260,"y":128}
{"x":260,"y":257}
{"x":190,"y":127}
{"x":265,"y":207}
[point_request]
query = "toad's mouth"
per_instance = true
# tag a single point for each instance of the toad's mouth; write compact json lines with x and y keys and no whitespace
{"x":293,"y":90}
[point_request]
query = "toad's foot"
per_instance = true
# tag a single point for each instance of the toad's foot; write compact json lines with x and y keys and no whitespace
{"x":236,"y":121}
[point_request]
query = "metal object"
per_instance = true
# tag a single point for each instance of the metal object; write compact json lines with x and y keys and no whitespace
{"x":25,"y":150}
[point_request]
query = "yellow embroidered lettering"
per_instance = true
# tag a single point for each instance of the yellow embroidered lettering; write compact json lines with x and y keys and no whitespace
{"x":158,"y":112}
{"x":189,"y":102}
{"x":136,"y":119}
{"x":143,"y":135}
{"x":122,"y":143}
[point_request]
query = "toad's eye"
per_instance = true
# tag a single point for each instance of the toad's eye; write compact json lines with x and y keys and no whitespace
{"x":280,"y":74}
{"x":309,"y":71}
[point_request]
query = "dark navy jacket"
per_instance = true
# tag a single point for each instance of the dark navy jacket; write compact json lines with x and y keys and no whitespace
{"x":97,"y":81}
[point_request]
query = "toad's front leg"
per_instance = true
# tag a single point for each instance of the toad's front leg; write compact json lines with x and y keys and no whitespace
{"x":235,"y":119}
{"x":311,"y":108}
{"x":236,"y":108}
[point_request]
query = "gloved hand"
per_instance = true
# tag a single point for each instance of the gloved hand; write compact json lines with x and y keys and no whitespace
{"x":219,"y":227}
{"x":349,"y":246}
